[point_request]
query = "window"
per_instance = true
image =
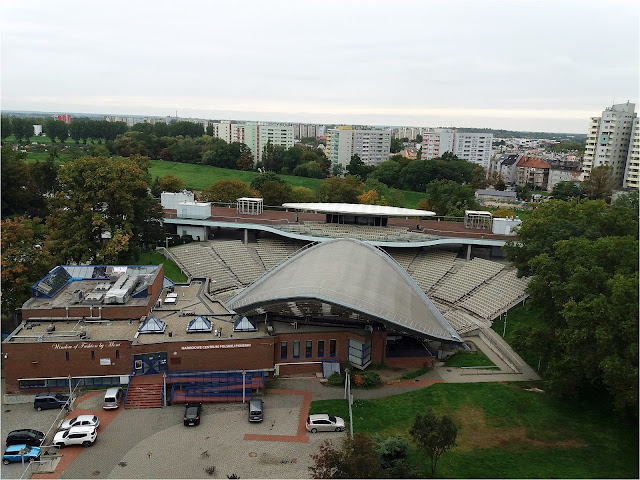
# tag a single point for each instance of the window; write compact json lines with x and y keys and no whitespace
{"x":283,"y":349}
{"x":308,"y":348}
{"x":332,"y":348}
{"x":67,"y":355}
{"x":321,"y":348}
{"x":117,"y":354}
{"x":296,"y":349}
{"x":93,"y":354}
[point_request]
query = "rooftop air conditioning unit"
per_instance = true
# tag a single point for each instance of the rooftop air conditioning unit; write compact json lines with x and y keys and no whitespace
{"x":77,"y":296}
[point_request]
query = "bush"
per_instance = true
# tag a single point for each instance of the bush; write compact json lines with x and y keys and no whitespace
{"x":391,"y":449}
{"x":336,"y":379}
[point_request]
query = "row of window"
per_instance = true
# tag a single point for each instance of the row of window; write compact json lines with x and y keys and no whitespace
{"x":64,"y":382}
{"x":93,"y":355}
{"x":308,"y":349}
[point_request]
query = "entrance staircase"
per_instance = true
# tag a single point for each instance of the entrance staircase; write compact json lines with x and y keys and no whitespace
{"x":144,"y":392}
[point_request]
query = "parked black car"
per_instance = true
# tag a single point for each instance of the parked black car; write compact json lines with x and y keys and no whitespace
{"x":26,"y":436}
{"x":44,"y":401}
{"x":192,"y":414}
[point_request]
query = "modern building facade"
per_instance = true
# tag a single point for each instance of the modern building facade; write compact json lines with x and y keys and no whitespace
{"x":609,"y":139}
{"x":372,"y":146}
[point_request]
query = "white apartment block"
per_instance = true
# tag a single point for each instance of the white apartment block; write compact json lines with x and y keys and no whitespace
{"x":632,"y":172}
{"x":608,"y":141}
{"x":255,"y":135}
{"x":372,"y":146}
{"x":473,"y":147}
{"x":436,"y":142}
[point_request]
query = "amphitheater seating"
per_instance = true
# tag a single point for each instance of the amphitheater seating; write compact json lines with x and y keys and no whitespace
{"x":237,"y":257}
{"x":403,"y":256}
{"x":502,"y":292}
{"x":461,"y":321}
{"x":199,"y":262}
{"x":429,"y":267}
{"x":470,"y":276}
{"x":274,"y":251}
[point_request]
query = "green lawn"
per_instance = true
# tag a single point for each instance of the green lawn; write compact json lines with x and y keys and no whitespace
{"x":505,"y":431}
{"x":199,"y":177}
{"x":171,"y":270}
{"x":469,"y":359}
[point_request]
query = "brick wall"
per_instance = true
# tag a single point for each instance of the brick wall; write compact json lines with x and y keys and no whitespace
{"x":41,"y":360}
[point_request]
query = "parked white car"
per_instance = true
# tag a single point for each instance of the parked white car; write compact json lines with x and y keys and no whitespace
{"x":322,"y":422}
{"x":84,"y":436}
{"x":80,"y":421}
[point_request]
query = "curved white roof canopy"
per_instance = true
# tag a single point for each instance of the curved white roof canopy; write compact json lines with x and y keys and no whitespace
{"x":358,"y":209}
{"x":351,"y":274}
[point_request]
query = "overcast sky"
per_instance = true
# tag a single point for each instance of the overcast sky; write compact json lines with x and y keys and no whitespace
{"x":518,"y":65}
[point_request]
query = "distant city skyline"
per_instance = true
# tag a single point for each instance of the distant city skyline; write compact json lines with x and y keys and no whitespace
{"x":545,"y":66}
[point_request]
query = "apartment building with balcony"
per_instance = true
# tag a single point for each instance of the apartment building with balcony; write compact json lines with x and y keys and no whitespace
{"x":632,"y":171}
{"x":532,"y":170}
{"x":608,"y":141}
{"x":372,"y":146}
{"x":473,"y":147}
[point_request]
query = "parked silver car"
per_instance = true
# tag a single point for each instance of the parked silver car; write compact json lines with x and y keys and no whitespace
{"x":321,"y":422}
{"x":80,"y":421}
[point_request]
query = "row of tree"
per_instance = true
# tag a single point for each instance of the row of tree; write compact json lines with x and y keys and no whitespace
{"x":582,"y":257}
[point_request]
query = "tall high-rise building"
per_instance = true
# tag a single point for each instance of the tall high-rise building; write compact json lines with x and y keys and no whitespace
{"x":372,"y":146}
{"x":608,"y":141}
{"x":632,"y":172}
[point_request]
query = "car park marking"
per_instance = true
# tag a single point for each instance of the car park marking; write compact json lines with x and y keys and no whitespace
{"x":301,"y":436}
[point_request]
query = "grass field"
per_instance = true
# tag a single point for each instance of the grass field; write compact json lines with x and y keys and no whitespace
{"x":199,"y":177}
{"x":505,"y":431}
{"x":171,"y":270}
{"x":469,"y":359}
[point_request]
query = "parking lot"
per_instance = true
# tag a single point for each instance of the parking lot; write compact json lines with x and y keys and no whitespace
{"x":154,"y":443}
{"x":21,"y":416}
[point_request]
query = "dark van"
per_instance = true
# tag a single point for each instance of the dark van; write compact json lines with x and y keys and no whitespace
{"x":44,"y":401}
{"x":255,"y":410}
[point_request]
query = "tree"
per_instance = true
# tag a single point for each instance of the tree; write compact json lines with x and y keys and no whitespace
{"x":358,"y":168}
{"x":500,"y":184}
{"x":166,"y":183}
{"x":396,"y":145}
{"x":434,"y":435}
{"x":24,"y":260}
{"x":263,"y":178}
{"x":503,"y":213}
{"x":523,"y":192}
{"x":387,"y":172}
{"x":566,"y":191}
{"x":275,"y":193}
{"x":18,"y":191}
{"x":556,"y":220}
{"x":600,"y":184}
{"x":337,"y":170}
{"x":22,"y":129}
{"x":479,"y":179}
{"x":340,"y":190}
{"x":302,"y":195}
{"x":6,"y":127}
{"x":227,"y":191}
{"x":582,"y":257}
{"x":356,"y":457}
{"x":446,"y":197}
{"x":419,"y":138}
{"x":104,"y":212}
